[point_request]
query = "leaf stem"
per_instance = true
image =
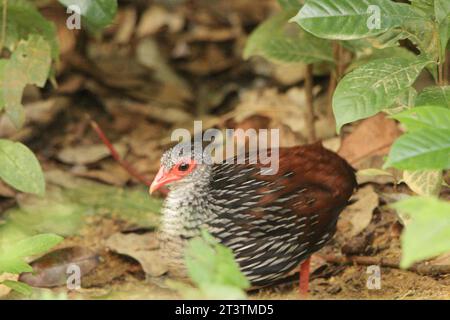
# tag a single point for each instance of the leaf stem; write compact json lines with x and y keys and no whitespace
{"x":309,"y":91}
{"x":447,"y":68}
{"x":441,"y":68}
{"x":4,"y":17}
{"x":335,"y":76}
{"x":338,"y":55}
{"x":331,"y":88}
{"x":131,"y":171}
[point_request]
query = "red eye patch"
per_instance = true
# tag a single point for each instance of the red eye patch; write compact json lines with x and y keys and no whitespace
{"x":180,"y":170}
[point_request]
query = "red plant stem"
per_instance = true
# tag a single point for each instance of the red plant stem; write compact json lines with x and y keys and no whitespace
{"x":131,"y":171}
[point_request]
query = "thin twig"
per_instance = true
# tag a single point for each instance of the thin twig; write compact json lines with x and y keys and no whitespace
{"x":337,"y":57}
{"x":335,"y":75}
{"x":441,"y":74}
{"x":420,"y":268}
{"x":331,"y":88}
{"x":4,"y":17}
{"x":131,"y":171}
{"x":309,"y":90}
{"x":447,"y":68}
{"x":341,"y":61}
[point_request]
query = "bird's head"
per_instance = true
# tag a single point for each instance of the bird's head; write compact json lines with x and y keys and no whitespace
{"x":181,"y":164}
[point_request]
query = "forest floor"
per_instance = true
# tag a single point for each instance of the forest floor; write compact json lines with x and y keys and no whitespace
{"x":139,"y":81}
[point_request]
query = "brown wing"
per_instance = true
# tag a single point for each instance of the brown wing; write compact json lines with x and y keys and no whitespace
{"x":273,"y":222}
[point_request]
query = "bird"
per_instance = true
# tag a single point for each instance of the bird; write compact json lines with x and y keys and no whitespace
{"x":272,"y":223}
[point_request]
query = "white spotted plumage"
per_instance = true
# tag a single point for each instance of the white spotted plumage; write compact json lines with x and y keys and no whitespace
{"x":271,"y":223}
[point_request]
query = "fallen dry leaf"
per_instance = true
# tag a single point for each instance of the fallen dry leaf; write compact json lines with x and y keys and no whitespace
{"x":39,"y":113}
{"x":443,"y":260}
{"x":148,"y":54}
{"x":289,"y":74}
{"x":287,"y":109}
{"x":424,"y":182}
{"x":163,"y":114}
{"x":142,"y":247}
{"x":372,"y":137}
{"x":206,"y":33}
{"x":6,"y":191}
{"x":211,"y":60}
{"x":356,"y":217}
{"x":52,"y":269}
{"x":376,"y":175}
{"x":156,"y":17}
{"x":107,"y":176}
{"x":126,"y":24}
{"x":87,"y":154}
{"x":332,"y":144}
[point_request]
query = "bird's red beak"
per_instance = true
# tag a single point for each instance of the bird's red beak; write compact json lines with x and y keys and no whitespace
{"x":162,"y":178}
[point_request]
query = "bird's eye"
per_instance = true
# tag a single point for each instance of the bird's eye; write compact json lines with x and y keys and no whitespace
{"x":183,"y":167}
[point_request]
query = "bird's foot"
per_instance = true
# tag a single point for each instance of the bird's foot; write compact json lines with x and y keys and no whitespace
{"x":304,"y":279}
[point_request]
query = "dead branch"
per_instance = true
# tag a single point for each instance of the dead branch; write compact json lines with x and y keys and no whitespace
{"x":420,"y":268}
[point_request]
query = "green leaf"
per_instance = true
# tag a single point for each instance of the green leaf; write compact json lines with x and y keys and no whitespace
{"x":372,"y":172}
{"x":20,"y":168}
{"x":388,"y":39}
{"x":222,"y":292}
{"x":426,"y":6}
{"x":24,"y":20}
{"x":200,"y":261}
{"x":29,"y":64}
{"x":130,"y":204}
{"x":444,"y":34}
{"x":12,"y":256}
{"x":428,"y":233}
{"x":290,"y":4}
{"x":44,"y":215}
{"x":97,"y":14}
{"x":18,"y":286}
{"x":421,"y":149}
{"x":374,"y":54}
{"x":33,"y":58}
{"x":374,"y":87}
{"x":424,"y":182}
{"x":210,"y":263}
{"x":404,"y":101}
{"x":424,"y":117}
{"x":277,"y":40}
{"x":3,"y":64}
{"x":35,"y":245}
{"x":434,"y":96}
{"x":353,"y":19}
{"x":425,"y":35}
{"x":442,"y":10}
{"x":68,"y":209}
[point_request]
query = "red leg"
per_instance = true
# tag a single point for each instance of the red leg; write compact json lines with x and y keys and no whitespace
{"x":304,"y":278}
